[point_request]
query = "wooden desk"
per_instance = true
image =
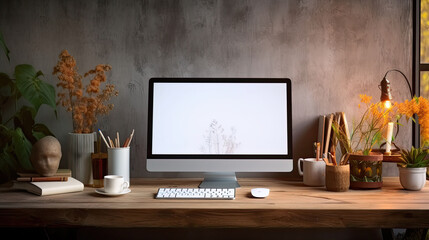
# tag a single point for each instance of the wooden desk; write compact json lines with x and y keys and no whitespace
{"x":290,"y":205}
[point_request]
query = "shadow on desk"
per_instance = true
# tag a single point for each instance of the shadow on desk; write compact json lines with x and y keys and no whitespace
{"x":190,"y":233}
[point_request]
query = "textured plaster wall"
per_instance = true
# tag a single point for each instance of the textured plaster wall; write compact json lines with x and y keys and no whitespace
{"x":332,"y":50}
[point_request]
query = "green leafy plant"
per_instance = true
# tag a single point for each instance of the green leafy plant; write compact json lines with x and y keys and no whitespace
{"x":414,"y":158}
{"x":20,"y":100}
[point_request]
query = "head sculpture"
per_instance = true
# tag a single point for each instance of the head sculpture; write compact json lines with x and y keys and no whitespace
{"x":46,"y":155}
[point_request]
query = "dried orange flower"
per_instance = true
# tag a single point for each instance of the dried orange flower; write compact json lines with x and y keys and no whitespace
{"x":85,"y":104}
{"x":364,"y":98}
{"x":420,"y":107}
{"x":369,"y":129}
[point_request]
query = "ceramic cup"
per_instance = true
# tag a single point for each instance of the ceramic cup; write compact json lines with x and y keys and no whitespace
{"x":115,"y":184}
{"x":313,"y":171}
{"x":118,"y":162}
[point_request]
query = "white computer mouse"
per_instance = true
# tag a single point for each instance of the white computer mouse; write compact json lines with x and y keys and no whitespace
{"x":260,"y":192}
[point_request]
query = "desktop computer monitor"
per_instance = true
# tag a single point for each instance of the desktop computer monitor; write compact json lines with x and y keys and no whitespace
{"x":219,"y":126}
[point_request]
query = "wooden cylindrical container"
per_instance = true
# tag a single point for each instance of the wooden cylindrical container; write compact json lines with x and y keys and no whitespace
{"x":337,"y":178}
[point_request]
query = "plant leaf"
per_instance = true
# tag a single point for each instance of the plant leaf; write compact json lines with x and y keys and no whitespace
{"x":5,"y":136}
{"x":8,"y":166}
{"x":4,"y":47}
{"x":24,"y":119}
{"x":32,"y":88}
{"x":22,"y":148}
{"x":40,"y":130}
{"x":6,"y":89}
{"x":5,"y":80}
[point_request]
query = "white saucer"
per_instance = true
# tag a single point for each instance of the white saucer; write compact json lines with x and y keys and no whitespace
{"x":101,"y":191}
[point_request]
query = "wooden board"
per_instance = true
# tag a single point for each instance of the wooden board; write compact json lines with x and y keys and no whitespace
{"x":289,"y":205}
{"x":328,"y":131}
{"x":394,"y":157}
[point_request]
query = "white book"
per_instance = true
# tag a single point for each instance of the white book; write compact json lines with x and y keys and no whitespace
{"x":50,"y":188}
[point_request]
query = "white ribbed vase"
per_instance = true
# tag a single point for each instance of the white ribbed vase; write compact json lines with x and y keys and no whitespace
{"x":81,"y":145}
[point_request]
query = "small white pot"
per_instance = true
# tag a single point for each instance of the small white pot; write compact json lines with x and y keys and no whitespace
{"x":412,"y":178}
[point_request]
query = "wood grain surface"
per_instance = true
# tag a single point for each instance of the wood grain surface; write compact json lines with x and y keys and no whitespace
{"x":289,"y":205}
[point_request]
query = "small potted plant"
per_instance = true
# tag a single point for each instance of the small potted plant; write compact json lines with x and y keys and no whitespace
{"x":21,"y":96}
{"x":412,"y":169}
{"x":365,"y":165}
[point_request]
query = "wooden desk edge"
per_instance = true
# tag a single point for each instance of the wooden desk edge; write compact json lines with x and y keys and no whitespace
{"x":213,"y":218}
{"x":241,"y":217}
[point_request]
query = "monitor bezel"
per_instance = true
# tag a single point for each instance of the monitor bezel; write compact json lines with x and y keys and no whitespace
{"x":287,"y":81}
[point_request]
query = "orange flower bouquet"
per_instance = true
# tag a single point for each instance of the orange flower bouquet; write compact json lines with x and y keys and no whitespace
{"x":420,"y":107}
{"x":368,"y":132}
{"x":84,"y":103}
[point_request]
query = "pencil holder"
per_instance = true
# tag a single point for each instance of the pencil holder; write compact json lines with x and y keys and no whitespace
{"x":337,"y":178}
{"x":118,"y":162}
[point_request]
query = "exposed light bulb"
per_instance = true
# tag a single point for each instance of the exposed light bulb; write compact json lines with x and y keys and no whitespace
{"x":387,"y":104}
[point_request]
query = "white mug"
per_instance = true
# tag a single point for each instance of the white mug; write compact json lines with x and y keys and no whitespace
{"x":115,"y":184}
{"x":314,"y":171}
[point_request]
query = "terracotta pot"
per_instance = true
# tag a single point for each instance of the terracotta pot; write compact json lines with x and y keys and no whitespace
{"x":337,"y":178}
{"x":366,"y":171}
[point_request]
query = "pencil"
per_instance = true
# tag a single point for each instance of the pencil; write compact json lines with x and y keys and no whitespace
{"x":131,"y":138}
{"x":103,"y":138}
{"x":111,"y":142}
{"x":126,"y":142}
{"x":119,"y":142}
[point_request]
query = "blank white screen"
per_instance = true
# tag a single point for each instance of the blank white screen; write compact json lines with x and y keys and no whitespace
{"x":219,"y":118}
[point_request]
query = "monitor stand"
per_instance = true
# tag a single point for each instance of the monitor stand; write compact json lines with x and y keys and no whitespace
{"x":219,"y":180}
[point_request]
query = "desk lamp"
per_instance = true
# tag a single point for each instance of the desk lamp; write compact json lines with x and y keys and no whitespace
{"x":386,"y":96}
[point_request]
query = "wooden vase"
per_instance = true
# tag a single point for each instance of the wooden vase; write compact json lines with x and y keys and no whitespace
{"x":337,"y":178}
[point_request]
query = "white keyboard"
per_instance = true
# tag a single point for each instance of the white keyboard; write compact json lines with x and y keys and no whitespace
{"x":196,"y":193}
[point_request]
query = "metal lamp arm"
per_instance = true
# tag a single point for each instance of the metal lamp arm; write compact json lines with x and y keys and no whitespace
{"x":408,"y":82}
{"x":409,"y":87}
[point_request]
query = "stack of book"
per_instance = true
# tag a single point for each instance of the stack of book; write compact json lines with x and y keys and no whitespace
{"x":61,"y":175}
{"x":326,"y":136}
{"x":61,"y":182}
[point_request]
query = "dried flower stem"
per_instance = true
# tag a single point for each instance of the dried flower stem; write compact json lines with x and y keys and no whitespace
{"x":368,"y":132}
{"x":84,"y":107}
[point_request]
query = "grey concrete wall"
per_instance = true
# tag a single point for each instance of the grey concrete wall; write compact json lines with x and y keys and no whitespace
{"x":332,"y":50}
